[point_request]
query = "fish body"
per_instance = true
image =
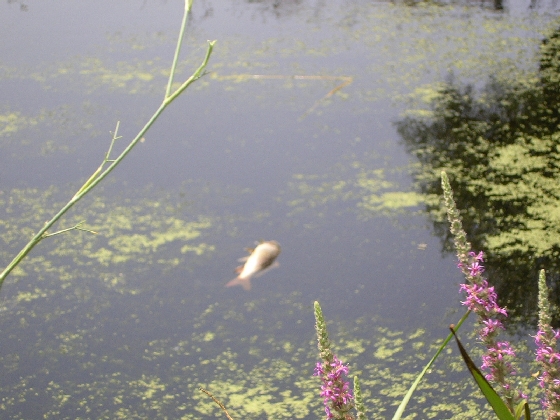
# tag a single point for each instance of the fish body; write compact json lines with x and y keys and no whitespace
{"x":262,"y":258}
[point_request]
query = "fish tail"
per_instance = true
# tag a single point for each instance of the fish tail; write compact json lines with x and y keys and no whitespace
{"x":238,"y":281}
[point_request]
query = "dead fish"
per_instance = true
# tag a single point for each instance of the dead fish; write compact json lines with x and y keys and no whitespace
{"x":262,"y":259}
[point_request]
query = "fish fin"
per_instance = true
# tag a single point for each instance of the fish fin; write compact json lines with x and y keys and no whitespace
{"x":245,"y":283}
{"x":238,"y":269}
{"x":275,"y":264}
{"x":243,"y":259}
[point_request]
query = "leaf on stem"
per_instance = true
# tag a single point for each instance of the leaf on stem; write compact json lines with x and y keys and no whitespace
{"x":78,"y":226}
{"x":498,"y":405}
{"x":408,"y":396}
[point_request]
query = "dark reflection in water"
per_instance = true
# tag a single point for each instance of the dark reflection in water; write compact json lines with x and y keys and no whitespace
{"x":280,"y":9}
{"x":501,"y":147}
{"x":22,"y":6}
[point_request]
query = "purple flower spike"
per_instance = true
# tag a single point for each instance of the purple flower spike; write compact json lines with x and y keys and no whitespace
{"x":482,"y":299}
{"x":547,"y":354}
{"x":335,"y":390}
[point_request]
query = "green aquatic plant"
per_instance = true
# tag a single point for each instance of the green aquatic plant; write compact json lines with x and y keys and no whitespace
{"x":508,"y":402}
{"x":108,"y":163}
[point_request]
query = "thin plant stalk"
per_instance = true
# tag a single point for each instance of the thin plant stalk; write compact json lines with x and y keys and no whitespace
{"x":482,"y":300}
{"x":408,"y":396}
{"x":99,"y":175}
{"x":338,"y":399}
{"x":360,"y":407}
{"x":188,"y":5}
{"x":547,"y":353}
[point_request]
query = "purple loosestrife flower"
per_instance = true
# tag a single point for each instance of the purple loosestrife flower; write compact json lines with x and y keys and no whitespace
{"x":482,"y":300}
{"x":335,"y":390}
{"x":548,"y":355}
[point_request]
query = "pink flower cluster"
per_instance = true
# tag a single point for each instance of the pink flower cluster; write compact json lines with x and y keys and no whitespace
{"x":547,"y":354}
{"x":335,"y":390}
{"x":495,"y":357}
{"x":550,"y":359}
{"x":481,"y":299}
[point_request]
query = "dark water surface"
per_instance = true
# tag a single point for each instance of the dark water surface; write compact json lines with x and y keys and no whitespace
{"x":129,"y":322}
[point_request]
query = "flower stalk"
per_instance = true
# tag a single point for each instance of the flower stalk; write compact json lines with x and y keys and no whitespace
{"x":335,"y":390}
{"x":481,"y":299}
{"x":360,"y":408}
{"x":547,"y":354}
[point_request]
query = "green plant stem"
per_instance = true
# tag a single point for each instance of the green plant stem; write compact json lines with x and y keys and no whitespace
{"x":188,"y":5}
{"x":75,"y":227}
{"x":100,"y":169}
{"x":406,"y":399}
{"x":360,"y":408}
{"x":98,"y":175}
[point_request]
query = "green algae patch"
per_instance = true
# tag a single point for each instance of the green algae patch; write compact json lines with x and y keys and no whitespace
{"x":131,"y":77}
{"x":28,"y":296}
{"x":499,"y":146}
{"x":101,"y":378}
{"x":134,"y":233}
{"x":391,"y":201}
{"x":407,"y":38}
{"x":369,"y":192}
{"x":48,"y":132}
{"x":140,"y":247}
{"x":12,"y":122}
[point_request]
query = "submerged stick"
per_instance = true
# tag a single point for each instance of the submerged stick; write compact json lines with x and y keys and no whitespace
{"x":346,"y":80}
{"x":223,"y":407}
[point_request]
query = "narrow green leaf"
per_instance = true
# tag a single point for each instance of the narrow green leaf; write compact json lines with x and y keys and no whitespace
{"x":408,"y":396}
{"x":522,"y":408}
{"x":498,"y":405}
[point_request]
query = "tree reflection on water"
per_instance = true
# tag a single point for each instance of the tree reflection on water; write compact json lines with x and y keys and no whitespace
{"x":501,"y":146}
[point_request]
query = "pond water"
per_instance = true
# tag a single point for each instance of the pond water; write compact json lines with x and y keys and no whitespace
{"x":129,"y":323}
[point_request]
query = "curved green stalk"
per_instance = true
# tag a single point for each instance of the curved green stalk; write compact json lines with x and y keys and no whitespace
{"x":100,"y":174}
{"x":188,"y":5}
